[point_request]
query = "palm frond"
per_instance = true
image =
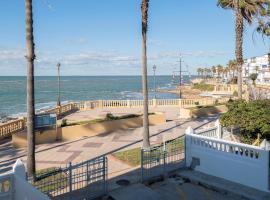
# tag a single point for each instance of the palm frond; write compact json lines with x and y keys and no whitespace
{"x":144,"y":10}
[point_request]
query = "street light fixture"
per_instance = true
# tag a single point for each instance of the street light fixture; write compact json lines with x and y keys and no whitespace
{"x":58,"y":70}
{"x":154,"y":70}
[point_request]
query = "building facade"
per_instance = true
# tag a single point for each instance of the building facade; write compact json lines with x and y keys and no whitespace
{"x":258,"y":65}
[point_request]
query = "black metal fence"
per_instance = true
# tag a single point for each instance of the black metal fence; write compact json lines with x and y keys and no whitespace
{"x":85,"y":180}
{"x":159,"y":160}
{"x":89,"y":179}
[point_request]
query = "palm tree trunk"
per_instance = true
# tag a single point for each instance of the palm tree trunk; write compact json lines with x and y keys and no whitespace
{"x":144,"y":10}
{"x":269,"y":60}
{"x":239,"y":27}
{"x":31,"y":168}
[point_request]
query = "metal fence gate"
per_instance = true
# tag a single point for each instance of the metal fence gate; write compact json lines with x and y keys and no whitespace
{"x":85,"y":180}
{"x":159,"y":160}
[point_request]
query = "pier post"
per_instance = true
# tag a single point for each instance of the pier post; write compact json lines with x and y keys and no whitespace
{"x":154,"y":103}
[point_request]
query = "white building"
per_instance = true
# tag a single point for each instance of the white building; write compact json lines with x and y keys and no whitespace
{"x":257,"y":65}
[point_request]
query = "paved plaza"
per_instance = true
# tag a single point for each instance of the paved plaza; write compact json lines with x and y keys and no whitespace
{"x":60,"y":154}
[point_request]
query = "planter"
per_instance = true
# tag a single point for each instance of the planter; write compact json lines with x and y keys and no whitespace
{"x":75,"y":132}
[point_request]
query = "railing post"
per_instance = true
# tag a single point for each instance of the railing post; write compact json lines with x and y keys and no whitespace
{"x":128,"y":103}
{"x":189,"y":131}
{"x":100,"y":103}
{"x":19,"y":169}
{"x":164,"y":160}
{"x":142,"y":161}
{"x":154,"y":103}
{"x":180,"y":103}
{"x":87,"y":172}
{"x":70,"y":177}
{"x":85,"y":106}
{"x":104,"y":174}
{"x":219,"y":129}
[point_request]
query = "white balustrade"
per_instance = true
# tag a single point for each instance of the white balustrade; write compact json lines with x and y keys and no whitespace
{"x":14,"y":186}
{"x":236,"y":162}
{"x":7,"y":129}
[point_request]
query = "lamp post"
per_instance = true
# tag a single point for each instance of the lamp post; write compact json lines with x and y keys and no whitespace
{"x":154,"y":70}
{"x":58,"y":70}
{"x":180,"y":77}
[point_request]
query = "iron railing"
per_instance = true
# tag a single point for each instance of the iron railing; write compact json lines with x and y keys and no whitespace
{"x":84,"y":180}
{"x":159,"y":160}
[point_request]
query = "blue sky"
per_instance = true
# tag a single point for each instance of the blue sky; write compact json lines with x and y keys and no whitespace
{"x":103,"y":37}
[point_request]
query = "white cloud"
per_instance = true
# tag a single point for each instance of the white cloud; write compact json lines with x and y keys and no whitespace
{"x":11,"y":55}
{"x":76,"y":41}
{"x":153,"y":42}
{"x":112,"y":60}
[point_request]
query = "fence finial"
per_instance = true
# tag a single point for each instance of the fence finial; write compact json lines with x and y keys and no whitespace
{"x":265,"y":145}
{"x":19,"y":169}
{"x":189,"y":130}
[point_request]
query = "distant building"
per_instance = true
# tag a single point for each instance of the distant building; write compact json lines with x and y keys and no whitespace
{"x":257,"y":65}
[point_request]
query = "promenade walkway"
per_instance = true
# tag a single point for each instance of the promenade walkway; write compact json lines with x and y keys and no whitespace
{"x":60,"y":154}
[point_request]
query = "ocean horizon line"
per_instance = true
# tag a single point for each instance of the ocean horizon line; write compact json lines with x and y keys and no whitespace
{"x":91,"y":75}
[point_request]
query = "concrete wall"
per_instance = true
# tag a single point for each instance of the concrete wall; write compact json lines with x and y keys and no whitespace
{"x":16,"y":187}
{"x":19,"y":140}
{"x":79,"y":131}
{"x":69,"y":133}
{"x":236,"y":162}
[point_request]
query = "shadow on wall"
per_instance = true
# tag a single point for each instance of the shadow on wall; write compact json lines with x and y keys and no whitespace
{"x":75,"y":132}
{"x":208,"y":111}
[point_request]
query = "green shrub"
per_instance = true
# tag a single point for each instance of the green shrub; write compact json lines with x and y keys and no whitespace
{"x":110,"y":116}
{"x":64,"y":123}
{"x":252,"y":118}
{"x":203,"y":86}
{"x":253,"y":77}
{"x":235,"y":93}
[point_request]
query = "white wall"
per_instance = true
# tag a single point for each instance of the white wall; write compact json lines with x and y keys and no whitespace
{"x":19,"y":188}
{"x":218,"y":158}
{"x":25,"y":191}
{"x":249,"y":67}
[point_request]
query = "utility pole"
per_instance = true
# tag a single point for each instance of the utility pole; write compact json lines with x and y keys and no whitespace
{"x":58,"y":70}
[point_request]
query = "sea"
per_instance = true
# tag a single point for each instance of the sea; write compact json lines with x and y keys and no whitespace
{"x":76,"y":88}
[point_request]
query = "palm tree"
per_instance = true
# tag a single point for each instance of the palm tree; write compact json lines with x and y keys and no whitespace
{"x":214,"y":70}
{"x":226,"y":71}
{"x":209,"y":72}
{"x":200,"y":72}
{"x":263,"y":26}
{"x":30,"y":56}
{"x":205,"y":72}
{"x":144,"y":10}
{"x":232,"y":66}
{"x":219,"y":70}
{"x":244,"y":10}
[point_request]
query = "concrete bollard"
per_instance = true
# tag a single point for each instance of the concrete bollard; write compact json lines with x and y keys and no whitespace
{"x":19,"y":169}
